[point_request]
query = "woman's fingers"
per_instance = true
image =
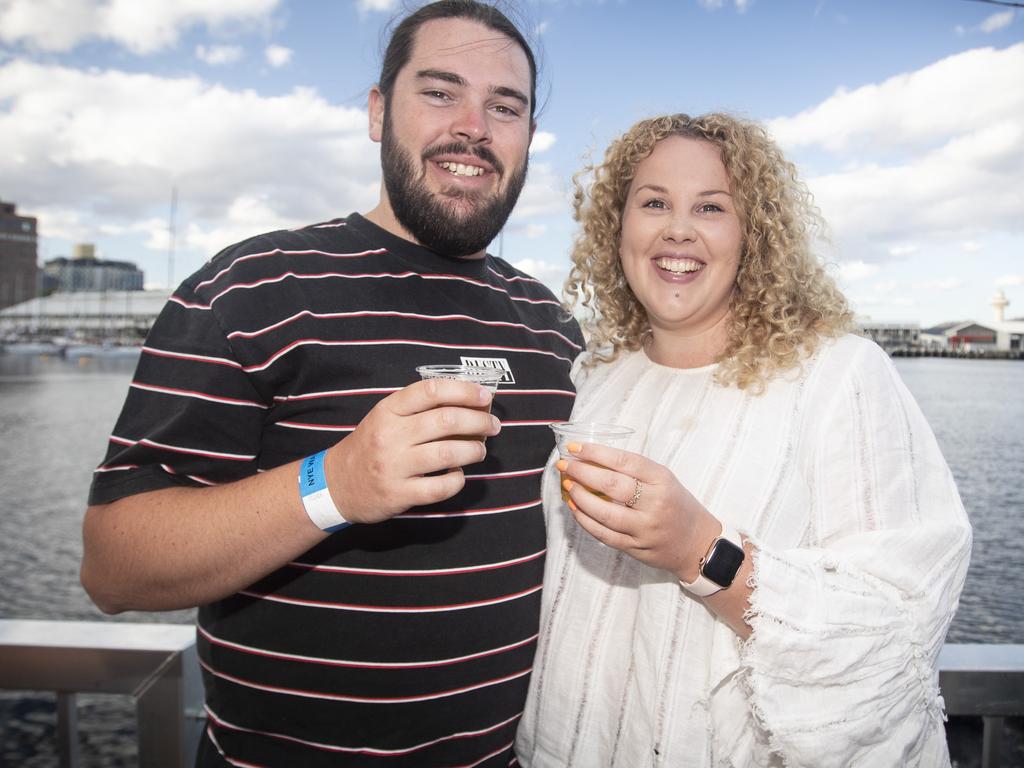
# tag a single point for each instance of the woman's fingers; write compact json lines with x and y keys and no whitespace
{"x":598,"y":529}
{"x":615,"y":484}
{"x":589,"y":502}
{"x":617,"y":460}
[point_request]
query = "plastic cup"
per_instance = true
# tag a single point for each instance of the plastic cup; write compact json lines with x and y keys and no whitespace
{"x":485,"y":377}
{"x":613,"y":435}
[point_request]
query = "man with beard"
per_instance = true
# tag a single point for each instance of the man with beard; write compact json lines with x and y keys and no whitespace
{"x":368,"y":583}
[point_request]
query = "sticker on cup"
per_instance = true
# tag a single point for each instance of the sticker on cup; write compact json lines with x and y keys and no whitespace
{"x":613,"y":435}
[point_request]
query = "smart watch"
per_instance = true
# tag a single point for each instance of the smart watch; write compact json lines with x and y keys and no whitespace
{"x":719,"y":566}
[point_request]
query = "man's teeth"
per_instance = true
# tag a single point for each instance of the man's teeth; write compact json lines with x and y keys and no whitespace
{"x":679,"y":266}
{"x":462,"y":170}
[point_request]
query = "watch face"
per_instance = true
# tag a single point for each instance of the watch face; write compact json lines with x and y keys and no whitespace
{"x":722,"y":562}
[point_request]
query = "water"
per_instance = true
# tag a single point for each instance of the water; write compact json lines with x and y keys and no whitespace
{"x":56,"y":414}
{"x":976,"y":410}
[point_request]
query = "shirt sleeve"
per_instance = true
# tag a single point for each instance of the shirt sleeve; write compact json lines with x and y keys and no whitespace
{"x":841,"y":666}
{"x":192,"y":415}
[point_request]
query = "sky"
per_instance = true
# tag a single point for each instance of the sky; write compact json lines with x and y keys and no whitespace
{"x":906,"y":120}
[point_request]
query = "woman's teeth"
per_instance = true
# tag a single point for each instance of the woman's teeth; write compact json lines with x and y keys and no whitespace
{"x":678,"y":266}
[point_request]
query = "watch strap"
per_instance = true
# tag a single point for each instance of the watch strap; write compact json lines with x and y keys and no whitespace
{"x":702,"y":586}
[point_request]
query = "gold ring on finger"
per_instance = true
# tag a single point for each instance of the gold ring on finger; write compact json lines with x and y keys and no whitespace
{"x":638,"y":488}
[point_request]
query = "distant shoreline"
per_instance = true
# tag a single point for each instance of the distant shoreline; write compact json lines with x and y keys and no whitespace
{"x":987,"y":354}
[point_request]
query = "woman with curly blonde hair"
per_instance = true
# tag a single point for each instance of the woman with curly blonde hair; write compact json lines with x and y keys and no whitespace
{"x":765,"y":573}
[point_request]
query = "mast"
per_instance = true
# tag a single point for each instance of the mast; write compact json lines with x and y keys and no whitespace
{"x":171,"y":231}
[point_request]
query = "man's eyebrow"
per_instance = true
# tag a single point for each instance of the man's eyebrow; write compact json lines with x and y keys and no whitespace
{"x":511,"y":93}
{"x":438,"y":74}
{"x":454,"y":79}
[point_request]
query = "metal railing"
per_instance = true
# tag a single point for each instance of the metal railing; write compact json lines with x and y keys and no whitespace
{"x":984,"y":680}
{"x":156,"y":665}
{"x":153,"y":663}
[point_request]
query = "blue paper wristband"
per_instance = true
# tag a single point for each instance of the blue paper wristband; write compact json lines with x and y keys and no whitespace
{"x":316,"y":498}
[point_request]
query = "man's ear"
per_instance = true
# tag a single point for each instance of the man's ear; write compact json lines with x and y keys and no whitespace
{"x":375,"y":108}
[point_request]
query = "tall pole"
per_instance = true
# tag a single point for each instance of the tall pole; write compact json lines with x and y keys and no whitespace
{"x":170,"y":244}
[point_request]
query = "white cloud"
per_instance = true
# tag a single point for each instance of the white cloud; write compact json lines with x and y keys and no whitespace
{"x":545,"y":193}
{"x":1007,"y":281}
{"x":277,"y":55}
{"x":971,"y":246}
{"x":855,"y":271}
{"x":542,"y":142}
{"x":544,"y":271}
{"x":247,"y":215}
{"x":383,"y":6}
{"x":952,"y":97}
{"x":883,"y":305}
{"x":888,"y":287}
{"x":219,"y":54}
{"x":108,"y":146}
{"x":944,"y":284}
{"x":96,"y":153}
{"x":903,"y":250}
{"x":141,"y":27}
{"x":997,"y":21}
{"x":714,"y":5}
{"x":922,"y":169}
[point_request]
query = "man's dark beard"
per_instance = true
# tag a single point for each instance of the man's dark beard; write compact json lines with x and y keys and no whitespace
{"x":432,"y":220}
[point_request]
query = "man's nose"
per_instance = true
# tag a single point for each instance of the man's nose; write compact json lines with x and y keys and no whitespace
{"x":470,"y":124}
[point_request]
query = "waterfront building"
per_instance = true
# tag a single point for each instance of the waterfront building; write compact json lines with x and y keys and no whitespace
{"x":124,"y":316}
{"x":19,"y":244}
{"x":963,"y":336}
{"x":85,"y":272}
{"x":891,"y":336}
{"x":974,"y":336}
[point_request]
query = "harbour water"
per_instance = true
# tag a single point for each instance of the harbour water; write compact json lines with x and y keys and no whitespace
{"x":55,"y":416}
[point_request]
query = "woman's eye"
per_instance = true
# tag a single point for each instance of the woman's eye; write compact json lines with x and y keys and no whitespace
{"x":654,"y":203}
{"x":710,"y":208}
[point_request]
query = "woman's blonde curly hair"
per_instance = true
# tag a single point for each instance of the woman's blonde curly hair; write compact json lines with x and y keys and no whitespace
{"x":784,"y":302}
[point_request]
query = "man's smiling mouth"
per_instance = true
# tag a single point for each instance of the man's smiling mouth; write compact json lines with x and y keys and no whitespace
{"x":459,"y":169}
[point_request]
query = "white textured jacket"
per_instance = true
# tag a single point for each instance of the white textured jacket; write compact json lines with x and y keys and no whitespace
{"x":835,"y":476}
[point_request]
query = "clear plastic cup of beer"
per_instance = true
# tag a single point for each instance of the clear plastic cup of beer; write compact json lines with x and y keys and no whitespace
{"x":489,"y":378}
{"x":613,"y":435}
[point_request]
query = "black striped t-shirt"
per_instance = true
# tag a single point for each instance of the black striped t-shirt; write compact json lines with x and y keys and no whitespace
{"x":405,"y":643}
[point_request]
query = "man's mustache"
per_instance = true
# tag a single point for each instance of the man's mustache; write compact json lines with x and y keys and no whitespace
{"x":455,"y":148}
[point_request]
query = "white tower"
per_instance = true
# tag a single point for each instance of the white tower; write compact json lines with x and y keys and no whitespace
{"x":999,"y":302}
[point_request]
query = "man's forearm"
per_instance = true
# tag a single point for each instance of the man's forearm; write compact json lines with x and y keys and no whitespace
{"x":183,"y":547}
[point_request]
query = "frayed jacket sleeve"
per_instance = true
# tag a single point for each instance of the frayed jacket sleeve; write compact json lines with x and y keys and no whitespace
{"x":840,"y":669}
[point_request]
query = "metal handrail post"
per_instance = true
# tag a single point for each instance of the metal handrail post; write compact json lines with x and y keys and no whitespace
{"x":168,"y":709}
{"x":991,"y":742}
{"x":67,"y":730}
